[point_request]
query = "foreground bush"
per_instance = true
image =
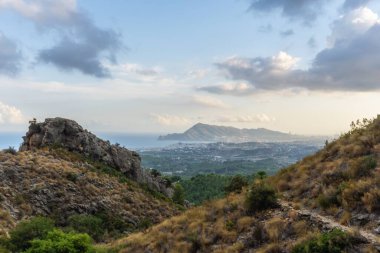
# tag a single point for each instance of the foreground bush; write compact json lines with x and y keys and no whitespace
{"x":236,"y":185}
{"x":88,"y":224}
{"x":335,"y":241}
{"x":57,"y":241}
{"x":261,"y":196}
{"x":26,"y":231}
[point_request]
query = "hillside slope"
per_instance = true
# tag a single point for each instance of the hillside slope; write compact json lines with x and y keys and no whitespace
{"x":58,"y":184}
{"x":337,"y":188}
{"x":341,"y":180}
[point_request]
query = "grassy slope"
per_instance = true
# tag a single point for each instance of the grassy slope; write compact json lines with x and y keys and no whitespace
{"x":342,"y":180}
{"x":57,"y":183}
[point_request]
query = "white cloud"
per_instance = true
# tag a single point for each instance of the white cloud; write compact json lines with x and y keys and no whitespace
{"x":352,"y":24}
{"x":140,"y":70}
{"x":236,"y":89}
{"x":197,"y":73}
{"x":259,"y":118}
{"x":43,"y":11}
{"x":10,"y":114}
{"x":209,"y":101}
{"x":171,"y":120}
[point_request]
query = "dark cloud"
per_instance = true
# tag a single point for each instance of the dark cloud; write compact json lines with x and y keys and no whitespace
{"x":287,"y":33}
{"x":305,"y":10}
{"x":350,"y":65}
{"x":84,"y":48}
{"x":354,"y":4}
{"x":10,"y":56}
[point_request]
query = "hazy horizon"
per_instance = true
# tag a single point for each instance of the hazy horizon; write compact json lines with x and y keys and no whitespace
{"x":159,"y":67}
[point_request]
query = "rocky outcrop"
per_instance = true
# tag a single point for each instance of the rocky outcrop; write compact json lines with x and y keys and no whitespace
{"x":68,"y":134}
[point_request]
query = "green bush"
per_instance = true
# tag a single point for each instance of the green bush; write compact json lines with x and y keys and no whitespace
{"x":261,"y":196}
{"x":57,"y":241}
{"x":88,"y":224}
{"x":26,"y":231}
{"x":236,"y":184}
{"x":335,"y":241}
{"x":204,"y":187}
{"x":179,"y":195}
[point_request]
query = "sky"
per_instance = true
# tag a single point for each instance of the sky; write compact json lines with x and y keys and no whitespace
{"x":159,"y":66}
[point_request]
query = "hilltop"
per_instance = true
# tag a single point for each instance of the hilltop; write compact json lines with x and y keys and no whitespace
{"x":62,"y":171}
{"x":204,"y":132}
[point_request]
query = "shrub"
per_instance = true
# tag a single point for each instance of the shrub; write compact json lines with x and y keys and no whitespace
{"x":88,"y":224}
{"x":335,"y":241}
{"x":261,"y":196}
{"x":57,"y":241}
{"x":362,"y":166}
{"x":327,"y":200}
{"x":10,"y":150}
{"x":236,"y":184}
{"x":155,"y":173}
{"x":26,"y":231}
{"x":179,"y":195}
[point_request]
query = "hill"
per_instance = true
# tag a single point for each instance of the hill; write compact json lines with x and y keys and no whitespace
{"x":204,"y":132}
{"x":63,"y":171}
{"x":341,"y":180}
{"x":328,"y":202}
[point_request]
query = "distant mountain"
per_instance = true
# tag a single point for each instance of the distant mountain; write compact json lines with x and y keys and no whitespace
{"x":204,"y":132}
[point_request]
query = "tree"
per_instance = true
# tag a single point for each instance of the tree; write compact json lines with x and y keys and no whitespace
{"x":57,"y":241}
{"x":179,"y":194}
{"x":88,"y":224}
{"x":236,"y":184}
{"x":26,"y":231}
{"x":261,"y":196}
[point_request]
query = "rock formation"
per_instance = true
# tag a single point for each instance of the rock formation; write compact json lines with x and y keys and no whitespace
{"x":68,"y":134}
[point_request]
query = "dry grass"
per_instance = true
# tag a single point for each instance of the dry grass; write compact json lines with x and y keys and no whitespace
{"x":341,"y":177}
{"x":46,"y":182}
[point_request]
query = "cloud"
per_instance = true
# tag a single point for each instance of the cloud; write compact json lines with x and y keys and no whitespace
{"x":140,"y":70}
{"x":287,"y":33}
{"x":10,"y":114}
{"x":354,"y":23}
{"x":197,"y":73}
{"x":171,"y":120}
{"x":351,"y":63}
{"x":82,"y":46}
{"x":43,"y":12}
{"x":354,"y":4}
{"x":312,"y":43}
{"x":259,"y":118}
{"x":305,"y":10}
{"x":263,"y":73}
{"x":209,"y":101}
{"x":10,"y":56}
{"x":237,"y":89}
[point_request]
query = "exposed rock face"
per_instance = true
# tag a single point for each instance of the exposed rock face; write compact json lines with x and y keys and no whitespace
{"x":70,"y":135}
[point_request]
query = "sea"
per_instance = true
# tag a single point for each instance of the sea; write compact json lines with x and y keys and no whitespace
{"x":131,"y":141}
